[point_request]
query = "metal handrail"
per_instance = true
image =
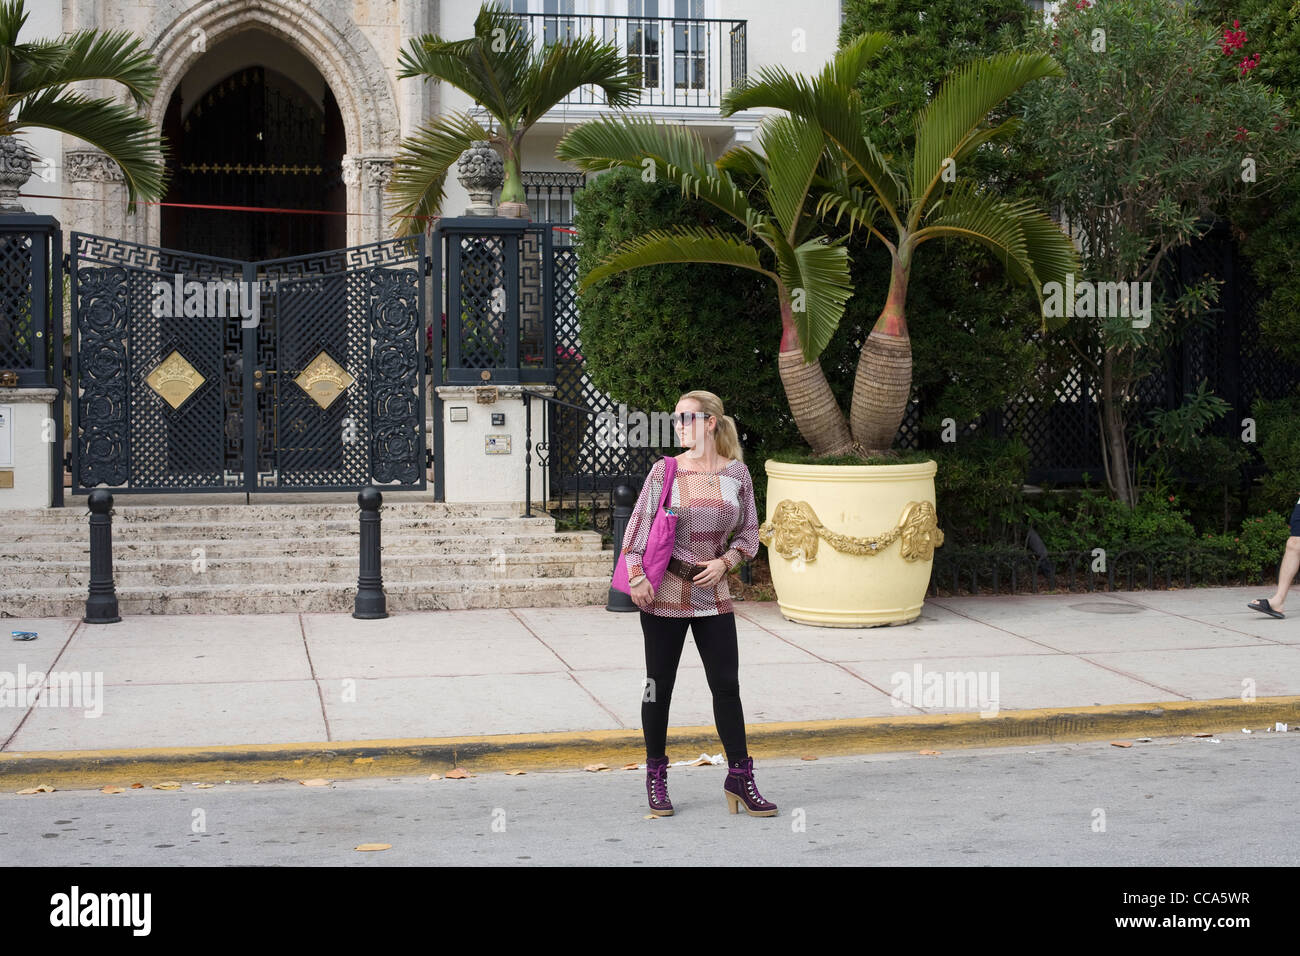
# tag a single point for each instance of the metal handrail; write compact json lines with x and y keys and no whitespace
{"x":723,"y":44}
{"x":526,"y":395}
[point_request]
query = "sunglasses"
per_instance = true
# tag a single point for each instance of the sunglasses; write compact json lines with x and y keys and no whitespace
{"x":683,"y":419}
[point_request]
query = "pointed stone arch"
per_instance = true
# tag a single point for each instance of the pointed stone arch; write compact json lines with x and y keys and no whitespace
{"x":346,"y":59}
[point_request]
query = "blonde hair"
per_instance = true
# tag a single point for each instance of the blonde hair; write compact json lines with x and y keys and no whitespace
{"x":726,"y":437}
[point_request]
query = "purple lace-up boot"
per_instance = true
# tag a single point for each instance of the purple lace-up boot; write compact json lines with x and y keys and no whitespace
{"x":656,"y":786}
{"x":740,"y":789}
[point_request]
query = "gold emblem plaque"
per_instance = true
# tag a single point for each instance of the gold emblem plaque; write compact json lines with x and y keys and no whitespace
{"x":324,"y":380}
{"x":175,"y":379}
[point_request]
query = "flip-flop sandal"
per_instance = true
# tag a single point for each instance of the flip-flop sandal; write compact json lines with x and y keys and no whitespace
{"x":1263,"y":607}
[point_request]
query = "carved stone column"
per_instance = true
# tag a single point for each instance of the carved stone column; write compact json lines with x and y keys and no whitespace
{"x":351,"y":172}
{"x":376,"y":173}
{"x":99,"y":188}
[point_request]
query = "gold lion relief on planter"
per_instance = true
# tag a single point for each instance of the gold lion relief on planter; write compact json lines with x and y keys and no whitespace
{"x":795,"y":528}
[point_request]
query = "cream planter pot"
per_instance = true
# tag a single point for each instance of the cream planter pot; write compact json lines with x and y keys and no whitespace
{"x":850,"y":545}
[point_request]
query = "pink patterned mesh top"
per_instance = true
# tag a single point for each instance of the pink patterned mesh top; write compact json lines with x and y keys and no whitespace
{"x":712,"y":507}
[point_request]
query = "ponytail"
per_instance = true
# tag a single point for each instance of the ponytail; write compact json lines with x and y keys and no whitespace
{"x":727,"y":440}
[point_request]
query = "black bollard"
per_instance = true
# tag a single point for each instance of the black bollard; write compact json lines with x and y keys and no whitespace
{"x":101,"y":601}
{"x":371,"y":602}
{"x":624,"y":499}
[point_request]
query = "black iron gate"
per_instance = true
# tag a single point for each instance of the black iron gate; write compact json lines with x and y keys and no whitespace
{"x":195,"y":374}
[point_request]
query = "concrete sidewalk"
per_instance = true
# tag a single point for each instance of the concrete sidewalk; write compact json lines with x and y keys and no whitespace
{"x":256,"y":696}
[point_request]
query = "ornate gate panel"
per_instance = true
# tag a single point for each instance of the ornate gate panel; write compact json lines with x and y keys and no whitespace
{"x":202,"y":374}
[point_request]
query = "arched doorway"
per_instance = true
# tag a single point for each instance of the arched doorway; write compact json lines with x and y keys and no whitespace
{"x":257,"y":136}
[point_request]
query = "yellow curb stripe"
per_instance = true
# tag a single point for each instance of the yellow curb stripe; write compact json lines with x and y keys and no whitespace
{"x":571,"y":751}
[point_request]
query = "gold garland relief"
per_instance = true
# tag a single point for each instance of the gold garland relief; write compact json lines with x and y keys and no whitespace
{"x":795,"y":528}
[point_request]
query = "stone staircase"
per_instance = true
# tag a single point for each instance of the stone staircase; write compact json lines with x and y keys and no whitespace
{"x":277,"y":558}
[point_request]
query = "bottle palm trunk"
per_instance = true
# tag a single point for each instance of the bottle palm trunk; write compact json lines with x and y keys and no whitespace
{"x":883,"y":383}
{"x":816,"y":413}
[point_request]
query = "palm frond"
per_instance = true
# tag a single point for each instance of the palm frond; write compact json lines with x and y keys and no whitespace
{"x":126,"y":137}
{"x":817,"y":274}
{"x":418,"y":186}
{"x":490,"y":66}
{"x":861,"y":205}
{"x":778,"y":88}
{"x":683,"y":245}
{"x":953,"y":117}
{"x":677,"y":153}
{"x":1009,"y":230}
{"x":564,"y":67}
{"x":12,"y":18}
{"x":799,"y":146}
{"x":86,"y":55}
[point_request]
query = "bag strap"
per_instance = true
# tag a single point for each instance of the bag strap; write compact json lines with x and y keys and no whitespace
{"x":670,"y":469}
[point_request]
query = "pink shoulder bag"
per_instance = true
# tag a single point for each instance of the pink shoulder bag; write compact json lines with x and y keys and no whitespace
{"x":659,"y":545}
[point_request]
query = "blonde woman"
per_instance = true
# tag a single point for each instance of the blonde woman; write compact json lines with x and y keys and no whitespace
{"x":713,"y":495}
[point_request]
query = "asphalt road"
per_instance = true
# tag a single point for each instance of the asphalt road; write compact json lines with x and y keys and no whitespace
{"x":1171,"y":802}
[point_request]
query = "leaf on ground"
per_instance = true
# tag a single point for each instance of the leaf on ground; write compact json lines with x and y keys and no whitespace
{"x":137,"y":786}
{"x":111,"y":789}
{"x":1120,"y":743}
{"x":374,"y":846}
{"x":434,"y":776}
{"x":807,"y":757}
{"x":649,"y":816}
{"x":515,"y":773}
{"x":315,"y":782}
{"x":459,"y":773}
{"x":167,"y":785}
{"x":701,"y":762}
{"x":631,"y":766}
{"x":595,"y":767}
{"x":204,"y":786}
{"x":43,"y":788}
{"x":1202,"y":735}
{"x":931,"y":753}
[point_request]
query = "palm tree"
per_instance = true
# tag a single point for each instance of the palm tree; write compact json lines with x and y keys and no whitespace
{"x":514,"y":84}
{"x":821,"y":162}
{"x":34,"y":81}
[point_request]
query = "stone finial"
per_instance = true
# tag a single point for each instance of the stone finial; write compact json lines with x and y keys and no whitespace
{"x":481,"y":171}
{"x":15,"y":170}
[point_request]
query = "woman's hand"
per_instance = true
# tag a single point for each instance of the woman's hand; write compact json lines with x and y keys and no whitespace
{"x":643,"y":593}
{"x":713,"y":572}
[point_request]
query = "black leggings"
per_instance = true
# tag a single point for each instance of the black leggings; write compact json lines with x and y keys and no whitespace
{"x":715,"y":637}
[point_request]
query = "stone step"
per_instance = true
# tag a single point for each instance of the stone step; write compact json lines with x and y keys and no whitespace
{"x":297,"y":572}
{"x":43,"y":550}
{"x":327,"y":597}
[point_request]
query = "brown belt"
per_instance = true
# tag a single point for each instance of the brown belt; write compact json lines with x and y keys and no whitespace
{"x":683,"y":570}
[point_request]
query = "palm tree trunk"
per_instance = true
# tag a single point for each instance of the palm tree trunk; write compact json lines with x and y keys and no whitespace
{"x":884,"y":379}
{"x":512,"y":189}
{"x":816,"y":412}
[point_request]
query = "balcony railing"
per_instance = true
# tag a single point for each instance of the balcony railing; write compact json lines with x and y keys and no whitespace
{"x":683,"y":62}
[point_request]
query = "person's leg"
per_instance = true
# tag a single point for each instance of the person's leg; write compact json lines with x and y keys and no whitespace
{"x":716,"y":639}
{"x":1286,"y":573}
{"x":664,"y":639}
